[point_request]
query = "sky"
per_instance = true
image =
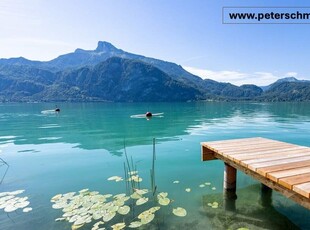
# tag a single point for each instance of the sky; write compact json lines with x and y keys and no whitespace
{"x":187,"y":32}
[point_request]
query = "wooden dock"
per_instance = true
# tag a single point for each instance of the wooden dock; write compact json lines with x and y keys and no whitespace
{"x":281,"y":166}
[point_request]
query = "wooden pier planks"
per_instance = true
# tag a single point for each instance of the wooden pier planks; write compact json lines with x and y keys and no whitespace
{"x":284,"y":167}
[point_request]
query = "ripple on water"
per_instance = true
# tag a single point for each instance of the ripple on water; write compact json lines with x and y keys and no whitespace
{"x":49,"y":126}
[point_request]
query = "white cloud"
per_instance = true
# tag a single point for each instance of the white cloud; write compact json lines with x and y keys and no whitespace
{"x":237,"y":77}
{"x":291,"y":74}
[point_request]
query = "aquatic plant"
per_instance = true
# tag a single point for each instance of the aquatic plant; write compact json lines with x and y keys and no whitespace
{"x":116,"y":211}
{"x":10,"y":202}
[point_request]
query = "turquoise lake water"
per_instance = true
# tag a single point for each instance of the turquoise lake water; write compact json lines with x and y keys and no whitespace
{"x":83,"y":145}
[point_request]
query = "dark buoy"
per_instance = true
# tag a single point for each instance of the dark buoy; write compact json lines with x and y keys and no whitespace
{"x":148,"y":114}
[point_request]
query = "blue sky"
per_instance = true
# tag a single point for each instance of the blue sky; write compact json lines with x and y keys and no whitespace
{"x":187,"y":32}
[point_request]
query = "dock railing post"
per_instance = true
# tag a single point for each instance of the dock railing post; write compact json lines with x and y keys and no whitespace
{"x":230,"y":178}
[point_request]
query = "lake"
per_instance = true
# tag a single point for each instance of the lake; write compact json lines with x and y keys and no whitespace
{"x":83,"y":145}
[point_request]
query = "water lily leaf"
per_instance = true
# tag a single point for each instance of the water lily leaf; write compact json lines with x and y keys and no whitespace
{"x":74,"y":227}
{"x":162,"y":195}
{"x":179,"y":212}
{"x":187,"y":189}
{"x":107,"y":195}
{"x":154,"y":209}
{"x":56,"y":197}
{"x":215,"y":204}
{"x":107,"y":216}
{"x":79,"y":221}
{"x":118,"y":203}
{"x":113,"y":209}
{"x":97,"y":215}
{"x":27,"y":209}
{"x":135,"y":196}
{"x":176,"y":182}
{"x":242,"y":229}
{"x":22,"y":204}
{"x":142,"y":200}
{"x":202,"y":185}
{"x":123,"y":210}
{"x":68,"y":195}
{"x":60,"y":219}
{"x":3,"y":193}
{"x":85,"y":190}
{"x":17,"y":192}
{"x":207,"y":183}
{"x":118,"y":196}
{"x":132,"y":173}
{"x":118,"y":226}
{"x":73,"y":218}
{"x":213,"y":188}
{"x":96,"y":226}
{"x":137,"y":178}
{"x":10,"y":208}
{"x":116,"y":178}
{"x":141,"y":191}
{"x":147,"y":218}
{"x":135,"y":224}
{"x":164,"y":201}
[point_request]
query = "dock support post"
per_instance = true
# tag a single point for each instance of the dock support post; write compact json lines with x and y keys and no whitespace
{"x":230,"y":178}
{"x":266,"y":196}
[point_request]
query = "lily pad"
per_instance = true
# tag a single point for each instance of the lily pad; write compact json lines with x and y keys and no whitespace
{"x":187,"y":189}
{"x":10,"y":208}
{"x":27,"y":209}
{"x":141,"y":191}
{"x":118,"y":226}
{"x":142,"y":200}
{"x":115,"y":178}
{"x":164,"y":201}
{"x":107,"y":216}
{"x":148,"y":218}
{"x":135,"y":224}
{"x":123,"y":210}
{"x":135,"y":196}
{"x":176,"y":182}
{"x":179,"y":212}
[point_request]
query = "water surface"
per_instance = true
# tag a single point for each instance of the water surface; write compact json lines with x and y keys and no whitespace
{"x":83,"y":145}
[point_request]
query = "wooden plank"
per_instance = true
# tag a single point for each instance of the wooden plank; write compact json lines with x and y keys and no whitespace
{"x":241,"y":145}
{"x":297,"y":197}
{"x":289,"y":182}
{"x":256,"y":166}
{"x":269,"y":154}
{"x":264,"y":170}
{"x":281,"y":166}
{"x":253,"y":150}
{"x":275,"y":176}
{"x":252,"y":147}
{"x":267,"y":151}
{"x":207,"y":154}
{"x":230,"y":141}
{"x":303,"y":189}
{"x":276,"y":158}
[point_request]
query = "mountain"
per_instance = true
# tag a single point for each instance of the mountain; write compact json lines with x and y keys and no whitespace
{"x":116,"y":79}
{"x":285,"y":79}
{"x":287,"y":91}
{"x":230,"y":91}
{"x":111,"y":74}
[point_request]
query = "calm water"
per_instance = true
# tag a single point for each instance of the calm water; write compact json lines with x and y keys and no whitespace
{"x":84,"y":145}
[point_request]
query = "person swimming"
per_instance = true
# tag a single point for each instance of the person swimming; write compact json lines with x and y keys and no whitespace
{"x":57,"y":109}
{"x":148,"y":114}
